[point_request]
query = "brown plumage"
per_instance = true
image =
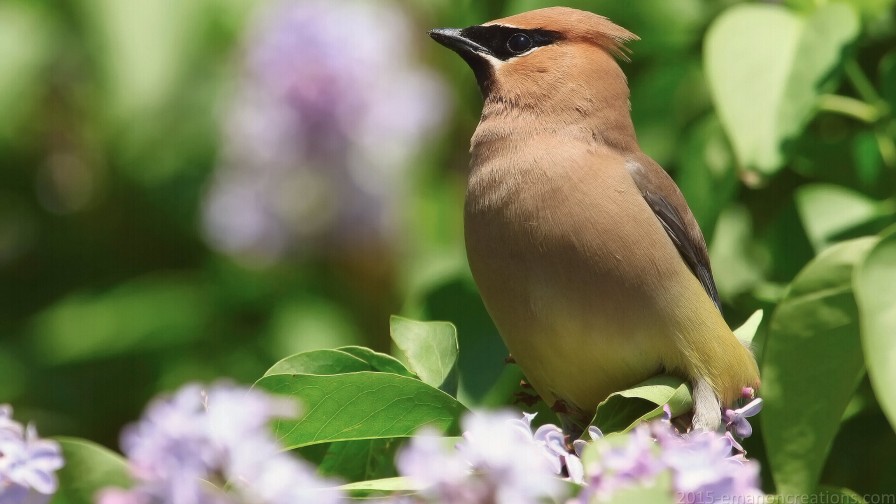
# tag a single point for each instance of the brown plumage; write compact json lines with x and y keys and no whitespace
{"x":584,"y":250}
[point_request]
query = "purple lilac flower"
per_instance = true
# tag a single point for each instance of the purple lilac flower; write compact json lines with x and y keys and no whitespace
{"x":631,"y":461}
{"x":553,"y":441}
{"x":704,"y":466}
{"x":579,"y":444}
{"x":501,"y":460}
{"x":28,"y":464}
{"x":736,"y":420}
{"x":441,"y":472}
{"x":192,"y":440}
{"x":321,"y":132}
{"x":498,"y":461}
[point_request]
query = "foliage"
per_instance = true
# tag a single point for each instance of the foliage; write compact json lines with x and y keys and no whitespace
{"x":777,"y":119}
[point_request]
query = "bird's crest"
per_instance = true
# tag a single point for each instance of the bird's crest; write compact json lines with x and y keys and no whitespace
{"x":575,"y":24}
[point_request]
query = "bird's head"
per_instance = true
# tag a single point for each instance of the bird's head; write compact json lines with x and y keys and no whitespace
{"x":540,"y":55}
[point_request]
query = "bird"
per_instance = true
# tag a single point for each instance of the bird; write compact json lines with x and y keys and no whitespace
{"x":585,"y":252}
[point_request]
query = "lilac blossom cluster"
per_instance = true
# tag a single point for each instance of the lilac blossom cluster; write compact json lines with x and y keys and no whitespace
{"x":501,"y":460}
{"x":703,"y":466}
{"x":28,"y":464}
{"x":320,"y":134}
{"x":498,"y":461}
{"x":214,"y":447}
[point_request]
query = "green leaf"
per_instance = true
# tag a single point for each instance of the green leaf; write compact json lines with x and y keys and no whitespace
{"x":26,"y":44}
{"x":828,"y":210}
{"x":88,"y":468}
{"x":364,"y":405}
{"x":875,"y":284}
{"x":706,"y":172}
{"x":143,"y":49}
{"x":481,"y":364}
{"x":342,"y":360}
{"x":623,"y":410}
{"x":657,"y":492}
{"x":737,"y":265}
{"x":747,"y":331}
{"x":873,"y":11}
{"x":124,"y":320}
{"x":811,"y":366}
{"x":841,"y":495}
{"x":378,"y":361}
{"x":360,"y":460}
{"x":888,"y":78}
{"x":430,"y":347}
{"x":399,"y":484}
{"x":766,"y":66}
{"x":319,"y":362}
{"x":307,"y":321}
{"x":11,"y":372}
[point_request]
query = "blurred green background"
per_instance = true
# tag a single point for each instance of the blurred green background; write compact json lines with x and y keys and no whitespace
{"x":197,"y":189}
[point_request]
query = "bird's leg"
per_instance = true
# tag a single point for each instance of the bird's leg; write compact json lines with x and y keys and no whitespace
{"x":683,"y":423}
{"x":707,"y":408}
{"x":570,"y":418}
{"x":526,"y":398}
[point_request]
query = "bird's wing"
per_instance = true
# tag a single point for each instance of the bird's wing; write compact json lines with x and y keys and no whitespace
{"x":669,"y":206}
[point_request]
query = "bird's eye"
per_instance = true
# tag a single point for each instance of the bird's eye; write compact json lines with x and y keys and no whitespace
{"x":519,"y":43}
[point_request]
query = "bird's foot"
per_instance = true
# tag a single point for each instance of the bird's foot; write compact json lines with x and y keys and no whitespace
{"x":526,"y":398}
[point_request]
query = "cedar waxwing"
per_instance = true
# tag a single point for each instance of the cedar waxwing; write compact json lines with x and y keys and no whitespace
{"x":585,"y":252}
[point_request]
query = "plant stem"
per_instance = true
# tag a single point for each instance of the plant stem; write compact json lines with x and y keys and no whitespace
{"x":862,"y":83}
{"x":851,"y":107}
{"x":887,"y":147}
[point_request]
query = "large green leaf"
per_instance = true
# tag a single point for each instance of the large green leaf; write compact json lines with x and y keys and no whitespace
{"x":11,"y":373}
{"x":378,"y":361}
{"x":430,"y":348}
{"x":736,"y":260}
{"x":391,"y":485}
{"x":142,"y":48}
{"x":123,"y":320}
{"x":875,"y":284}
{"x":25,"y":49}
{"x":842,"y":495}
{"x":873,"y":11}
{"x":364,"y":405}
{"x":454,"y":297}
{"x":338,"y":361}
{"x":360,"y":460}
{"x":625,"y":409}
{"x":766,"y":66}
{"x":811,"y":366}
{"x":319,"y":362}
{"x":706,"y":172}
{"x":308,"y":321}
{"x":828,"y":210}
{"x":88,"y":468}
{"x":888,"y":78}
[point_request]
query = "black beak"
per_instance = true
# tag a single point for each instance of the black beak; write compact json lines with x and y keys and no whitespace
{"x":453,"y":39}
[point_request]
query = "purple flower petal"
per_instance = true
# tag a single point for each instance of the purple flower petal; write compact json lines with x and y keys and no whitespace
{"x":736,"y":420}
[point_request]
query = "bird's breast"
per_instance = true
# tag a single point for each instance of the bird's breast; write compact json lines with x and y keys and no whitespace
{"x":554,"y":243}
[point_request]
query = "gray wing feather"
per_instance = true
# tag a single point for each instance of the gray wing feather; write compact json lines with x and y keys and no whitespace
{"x":670,"y":208}
{"x":693,"y":253}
